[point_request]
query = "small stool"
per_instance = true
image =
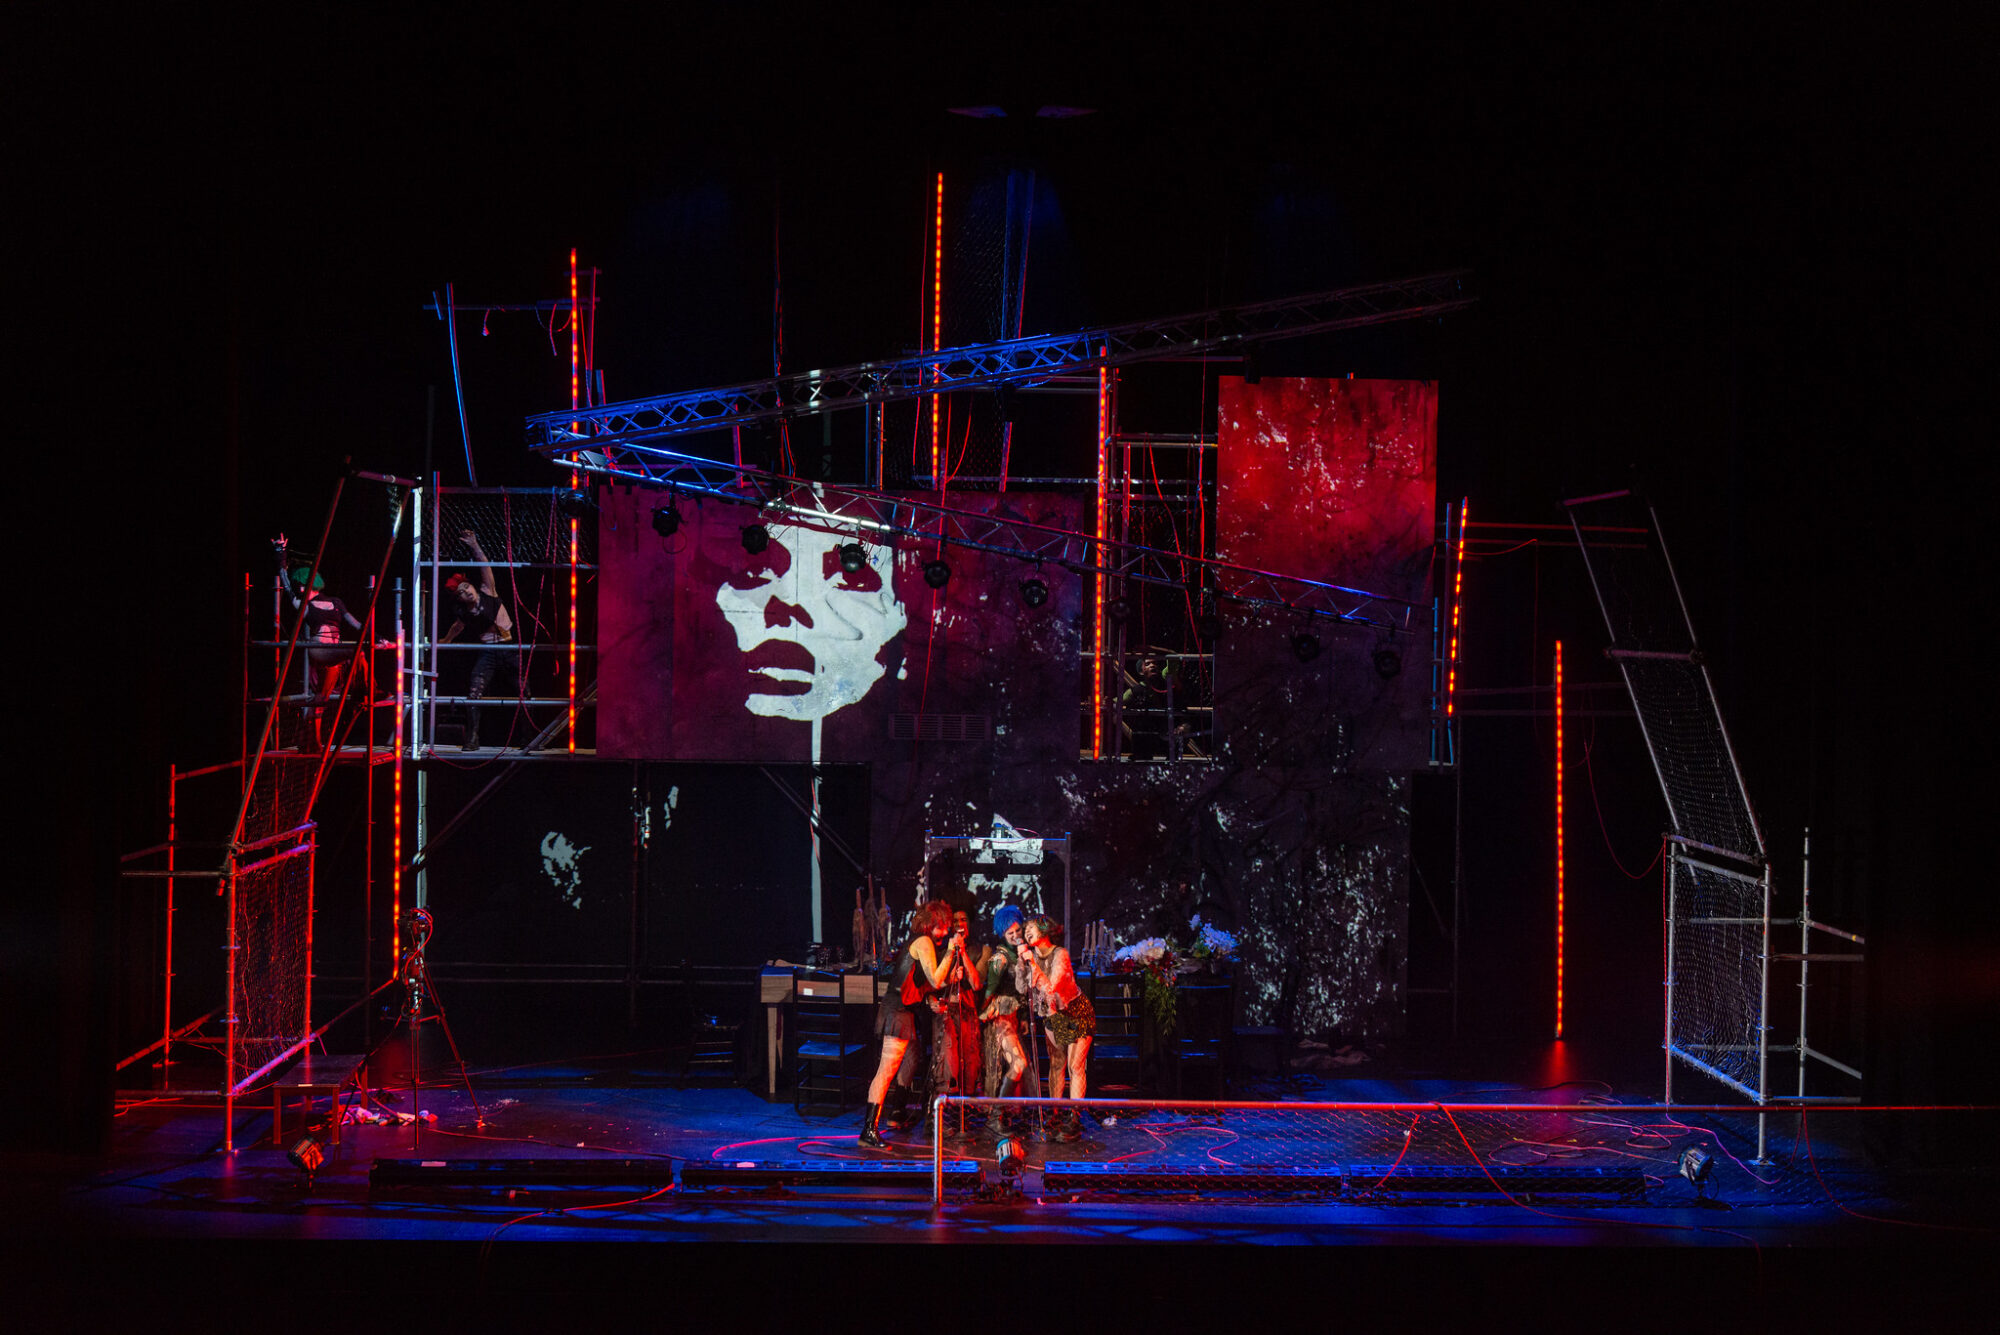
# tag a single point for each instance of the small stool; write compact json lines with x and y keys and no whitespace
{"x":309,"y":1077}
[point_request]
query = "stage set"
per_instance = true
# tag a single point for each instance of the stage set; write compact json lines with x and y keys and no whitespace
{"x":647,"y":773}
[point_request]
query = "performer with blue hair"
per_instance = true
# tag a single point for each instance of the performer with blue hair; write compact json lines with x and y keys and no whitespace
{"x":1000,"y":1033}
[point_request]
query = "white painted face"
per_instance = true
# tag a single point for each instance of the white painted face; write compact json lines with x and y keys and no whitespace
{"x":795,"y":594}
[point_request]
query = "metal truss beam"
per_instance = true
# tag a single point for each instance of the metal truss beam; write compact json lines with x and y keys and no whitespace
{"x":880,"y":516}
{"x":1014,"y":362}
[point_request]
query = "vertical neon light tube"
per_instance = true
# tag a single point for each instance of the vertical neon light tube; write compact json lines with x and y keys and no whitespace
{"x":1559,"y":839}
{"x":1103,"y":486}
{"x":937,"y":325}
{"x":1457,"y":590}
{"x":575,"y":481}
{"x":396,"y":820}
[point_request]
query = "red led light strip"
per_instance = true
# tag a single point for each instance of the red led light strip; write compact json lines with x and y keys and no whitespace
{"x":396,"y":822}
{"x":1103,"y":486}
{"x":1457,"y":590}
{"x":575,"y":482}
{"x":1559,"y":839}
{"x":937,"y":324}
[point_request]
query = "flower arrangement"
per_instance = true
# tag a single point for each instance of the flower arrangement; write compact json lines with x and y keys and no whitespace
{"x":1155,"y":960}
{"x":1210,"y":942}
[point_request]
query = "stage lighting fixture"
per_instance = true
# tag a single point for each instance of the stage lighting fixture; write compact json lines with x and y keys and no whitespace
{"x":1033,"y":592}
{"x":1387,"y":663}
{"x":574,"y":503}
{"x":755,"y":538}
{"x":1010,"y":1155}
{"x":307,"y":1156}
{"x":936,"y":574}
{"x":1119,"y":609}
{"x":1305,"y":647}
{"x":853,"y":557}
{"x":666,"y":520}
{"x":1696,"y":1165}
{"x":1209,"y":624}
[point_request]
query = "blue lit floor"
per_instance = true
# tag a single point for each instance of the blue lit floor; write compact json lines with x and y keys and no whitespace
{"x":165,"y":1177}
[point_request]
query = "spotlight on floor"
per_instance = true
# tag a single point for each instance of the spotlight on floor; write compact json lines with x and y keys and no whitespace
{"x":307,"y":1156}
{"x":666,"y":520}
{"x":1387,"y":663}
{"x":755,"y":538}
{"x":937,"y":574}
{"x":1033,"y":592}
{"x":1011,"y":1156}
{"x":853,"y":557}
{"x":1696,"y":1165}
{"x":1305,"y":647}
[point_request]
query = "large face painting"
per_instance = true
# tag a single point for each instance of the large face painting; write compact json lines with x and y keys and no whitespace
{"x":713,"y":651}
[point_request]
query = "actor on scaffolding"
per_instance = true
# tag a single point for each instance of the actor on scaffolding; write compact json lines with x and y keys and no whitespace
{"x":923,"y":965}
{"x":1000,"y":1034}
{"x":326,"y":656}
{"x":1072,"y":1022}
{"x":478,"y":611}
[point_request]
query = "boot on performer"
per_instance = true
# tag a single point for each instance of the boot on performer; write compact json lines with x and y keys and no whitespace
{"x":871,"y":1133}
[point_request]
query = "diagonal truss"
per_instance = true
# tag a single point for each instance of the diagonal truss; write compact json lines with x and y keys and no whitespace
{"x":879,"y":516}
{"x":1015,"y":362}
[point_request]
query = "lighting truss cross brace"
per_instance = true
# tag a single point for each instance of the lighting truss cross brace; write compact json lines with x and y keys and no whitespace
{"x":1016,"y":362}
{"x":880,"y":516}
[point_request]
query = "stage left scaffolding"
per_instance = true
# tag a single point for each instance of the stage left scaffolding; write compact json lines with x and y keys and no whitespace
{"x":240,"y":867}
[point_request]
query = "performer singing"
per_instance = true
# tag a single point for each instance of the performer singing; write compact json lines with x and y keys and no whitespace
{"x":920,"y":972}
{"x":1072,"y":1022}
{"x":958,"y":1008}
{"x":1000,"y":1034}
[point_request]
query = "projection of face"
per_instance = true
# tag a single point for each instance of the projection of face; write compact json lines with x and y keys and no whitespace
{"x":812,"y":632}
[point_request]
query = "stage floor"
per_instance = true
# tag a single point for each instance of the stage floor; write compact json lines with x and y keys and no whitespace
{"x":165,"y":1177}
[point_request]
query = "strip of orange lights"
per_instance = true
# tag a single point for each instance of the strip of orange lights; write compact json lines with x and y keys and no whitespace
{"x":396,"y":822}
{"x":1103,"y":520}
{"x":1457,"y":591}
{"x":937,"y":324}
{"x":1559,"y":839}
{"x":575,"y":482}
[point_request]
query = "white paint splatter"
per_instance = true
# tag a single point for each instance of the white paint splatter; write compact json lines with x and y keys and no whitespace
{"x":560,"y":864}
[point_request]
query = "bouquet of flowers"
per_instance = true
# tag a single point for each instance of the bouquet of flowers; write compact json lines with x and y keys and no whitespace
{"x":1155,"y":960}
{"x":1211,"y":944}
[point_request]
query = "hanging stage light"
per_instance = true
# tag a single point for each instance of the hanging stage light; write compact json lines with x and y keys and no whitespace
{"x":1209,"y":624}
{"x":853,"y":558}
{"x":1033,"y":592}
{"x":1305,"y":647}
{"x":755,"y":538}
{"x":936,"y":574}
{"x":1387,"y":663}
{"x":1119,"y":609}
{"x":666,"y":520}
{"x":574,"y":503}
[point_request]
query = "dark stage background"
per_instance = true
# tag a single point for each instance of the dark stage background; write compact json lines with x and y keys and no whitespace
{"x":1730,"y":261}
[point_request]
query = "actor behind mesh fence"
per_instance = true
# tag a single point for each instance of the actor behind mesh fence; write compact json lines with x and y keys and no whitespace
{"x":478,"y":611}
{"x":326,"y":657}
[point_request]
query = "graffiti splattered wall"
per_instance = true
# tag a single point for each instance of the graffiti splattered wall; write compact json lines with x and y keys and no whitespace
{"x":1296,"y":836}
